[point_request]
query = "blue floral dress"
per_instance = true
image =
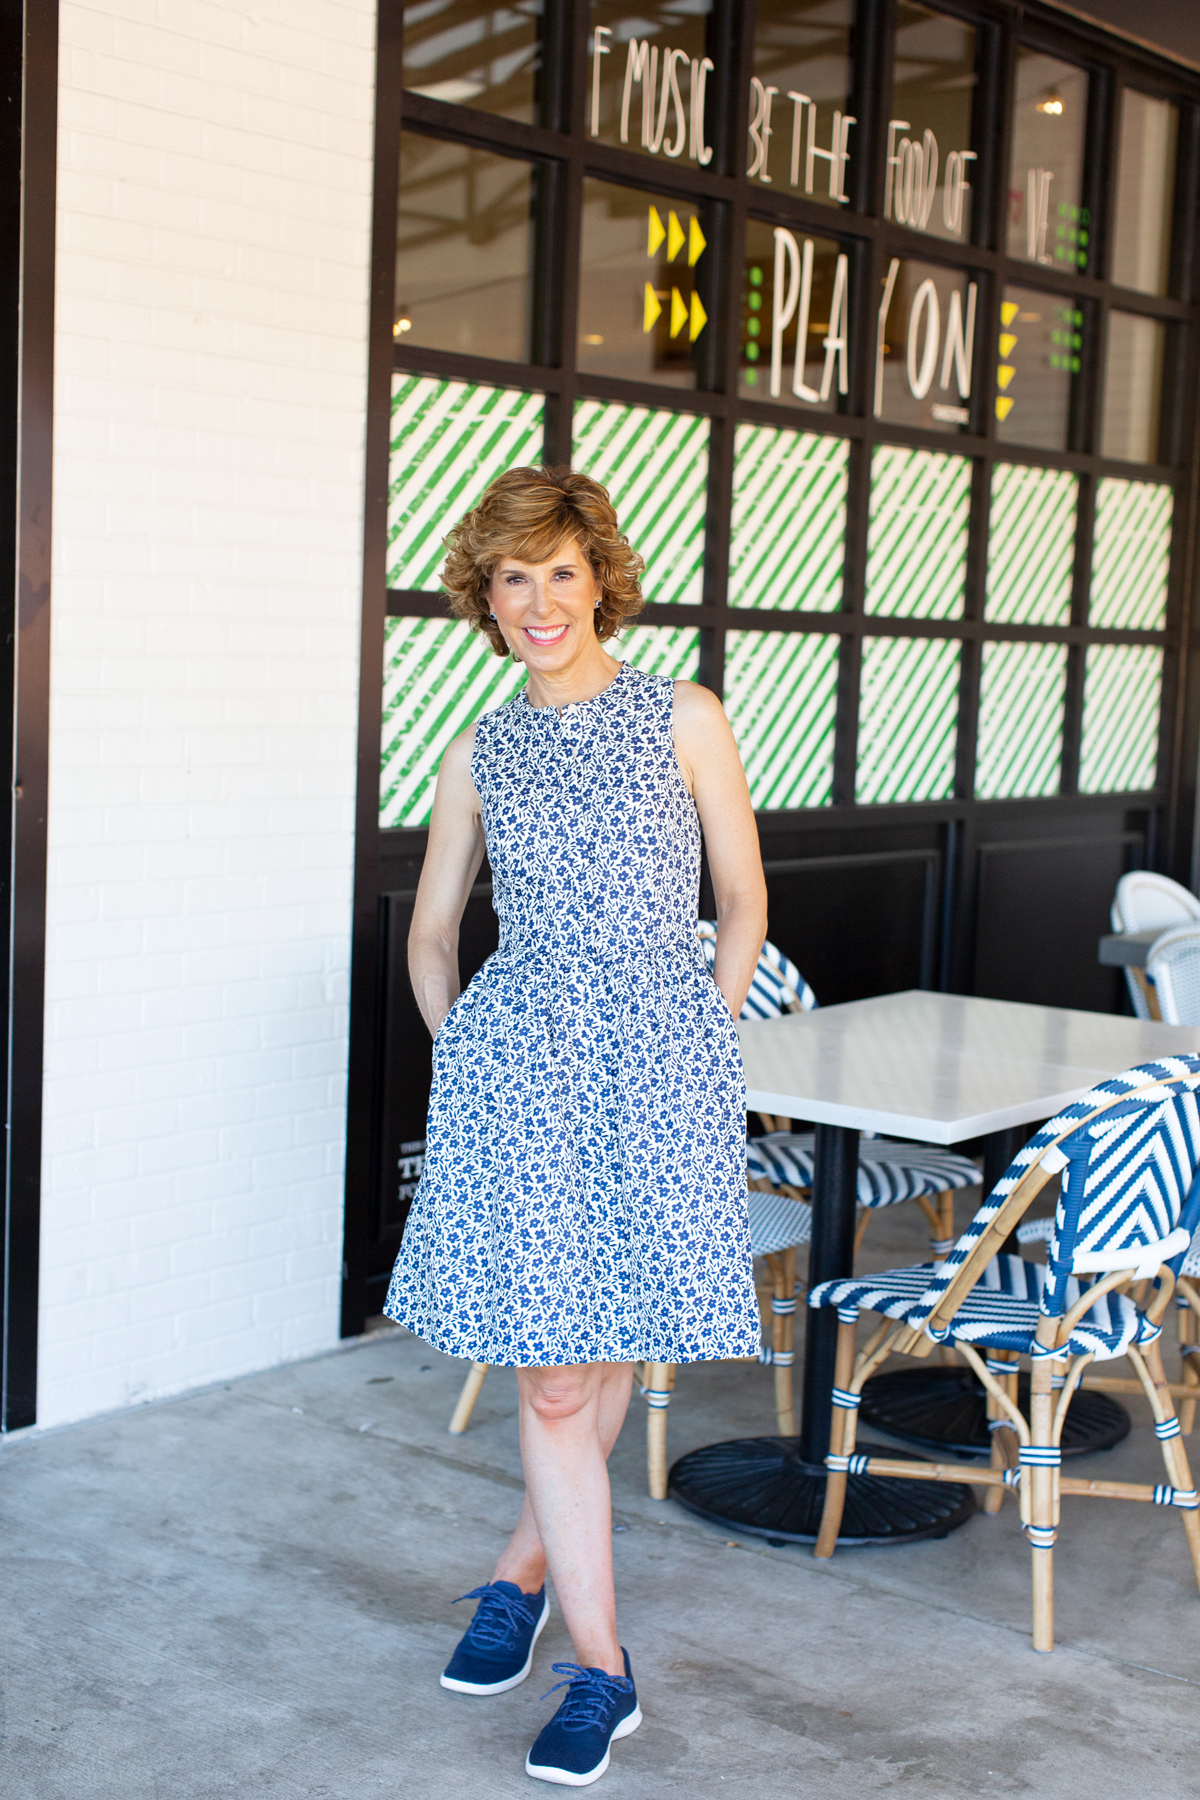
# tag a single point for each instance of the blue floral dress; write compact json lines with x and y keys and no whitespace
{"x":584,"y":1191}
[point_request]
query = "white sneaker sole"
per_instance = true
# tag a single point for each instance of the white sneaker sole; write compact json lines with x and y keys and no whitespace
{"x":502,"y":1687}
{"x":565,"y":1778}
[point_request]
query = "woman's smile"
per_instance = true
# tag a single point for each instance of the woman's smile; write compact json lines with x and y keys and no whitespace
{"x":546,"y":634}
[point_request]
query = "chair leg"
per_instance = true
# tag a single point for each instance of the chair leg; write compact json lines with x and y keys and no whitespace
{"x":1189,"y":1353}
{"x":1179,"y":1473}
{"x":1004,"y":1439}
{"x":461,"y":1416}
{"x":783,"y":1330}
{"x":944,"y":1243}
{"x":660,"y":1381}
{"x":841,"y":1442}
{"x":860,"y":1231}
{"x":1041,"y":1508}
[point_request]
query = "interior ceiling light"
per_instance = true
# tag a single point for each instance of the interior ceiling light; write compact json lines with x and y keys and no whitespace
{"x":1050,"y":103}
{"x":400,"y":327}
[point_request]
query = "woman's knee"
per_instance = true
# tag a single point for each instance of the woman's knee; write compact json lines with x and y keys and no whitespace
{"x":558,"y":1393}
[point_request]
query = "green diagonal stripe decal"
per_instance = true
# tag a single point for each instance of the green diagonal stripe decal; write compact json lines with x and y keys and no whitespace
{"x":781,"y":697}
{"x":789,"y":519}
{"x":1021,"y":701}
{"x":655,"y":467}
{"x":908,"y":714}
{"x":1031,"y":545}
{"x":1122,"y":688}
{"x":917,"y":536}
{"x":660,"y":650}
{"x":1131,"y":555}
{"x":449,"y":440}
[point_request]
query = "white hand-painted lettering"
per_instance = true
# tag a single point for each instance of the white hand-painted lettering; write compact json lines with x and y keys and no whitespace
{"x":637,"y":68}
{"x":925,"y":308}
{"x":960,"y":342}
{"x":599,"y":49}
{"x":889,"y":288}
{"x":792,"y":296}
{"x":955,"y":201}
{"x":760,"y":127}
{"x":1037,"y":214}
{"x":697,"y":148}
{"x":782,"y":306}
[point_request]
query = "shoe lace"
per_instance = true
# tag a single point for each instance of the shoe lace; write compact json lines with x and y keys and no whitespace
{"x":498,"y":1617}
{"x":590,"y":1693}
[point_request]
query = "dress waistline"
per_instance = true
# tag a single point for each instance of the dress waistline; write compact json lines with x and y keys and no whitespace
{"x":538,"y":949}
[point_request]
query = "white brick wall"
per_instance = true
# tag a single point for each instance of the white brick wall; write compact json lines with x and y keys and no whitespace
{"x":214,"y":192}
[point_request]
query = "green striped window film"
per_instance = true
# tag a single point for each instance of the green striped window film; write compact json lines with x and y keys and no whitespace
{"x":1122,"y":688}
{"x":781,"y":698}
{"x":655,"y":467}
{"x":907,"y":719}
{"x":438,"y":676}
{"x":1031,"y":546}
{"x":788,"y":538}
{"x":660,"y":650}
{"x":1131,"y":555}
{"x":917,"y":536}
{"x":1022,"y":698}
{"x":449,"y":440}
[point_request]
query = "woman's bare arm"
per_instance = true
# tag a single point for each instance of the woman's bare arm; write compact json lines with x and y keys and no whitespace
{"x":712,"y":768}
{"x":451,"y":864}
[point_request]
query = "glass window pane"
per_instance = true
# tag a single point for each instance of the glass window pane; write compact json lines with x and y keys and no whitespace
{"x":917,"y":535}
{"x":1021,"y":703}
{"x":929,"y":174}
{"x":788,"y":537}
{"x":641,"y":311}
{"x":802,"y":136}
{"x":794,"y":283}
{"x":449,"y":440}
{"x":648,"y":72}
{"x":907,"y":719}
{"x":1041,"y":346}
{"x":1131,"y":556}
{"x":925,"y":344}
{"x":1047,"y":221}
{"x":1145,"y":192}
{"x":1122,"y":688}
{"x":438,"y":676}
{"x":660,"y":650}
{"x":1133,"y":372}
{"x":475,"y":54}
{"x":1031,"y":545}
{"x":655,"y":467}
{"x":781,"y":697}
{"x":464,"y":243}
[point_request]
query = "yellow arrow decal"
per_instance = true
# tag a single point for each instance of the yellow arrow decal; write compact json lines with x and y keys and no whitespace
{"x":1008,"y":343}
{"x":1004,"y":405}
{"x":696,"y":242}
{"x":651,"y":307}
{"x":657,"y":232}
{"x":674,"y":237}
{"x":1004,"y":374}
{"x":1008,"y":312}
{"x":679,"y":312}
{"x":699,"y":319}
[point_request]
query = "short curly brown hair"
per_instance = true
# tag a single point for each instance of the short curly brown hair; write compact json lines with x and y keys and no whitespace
{"x":530,"y":514}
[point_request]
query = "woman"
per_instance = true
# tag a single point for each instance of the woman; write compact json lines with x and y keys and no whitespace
{"x":583,"y":1203}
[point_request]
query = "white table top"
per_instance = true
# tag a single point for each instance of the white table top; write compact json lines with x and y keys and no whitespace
{"x":940,"y":1067}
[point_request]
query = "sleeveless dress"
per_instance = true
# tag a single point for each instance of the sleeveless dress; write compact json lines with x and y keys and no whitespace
{"x":584,"y":1191}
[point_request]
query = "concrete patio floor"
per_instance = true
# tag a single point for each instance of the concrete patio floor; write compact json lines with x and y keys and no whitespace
{"x":246,"y":1591}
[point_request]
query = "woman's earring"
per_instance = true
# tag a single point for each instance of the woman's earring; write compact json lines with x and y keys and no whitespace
{"x":491,"y":615}
{"x":598,"y":603}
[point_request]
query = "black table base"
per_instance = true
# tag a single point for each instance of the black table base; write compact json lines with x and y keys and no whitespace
{"x":943,"y":1410}
{"x":762,"y":1487}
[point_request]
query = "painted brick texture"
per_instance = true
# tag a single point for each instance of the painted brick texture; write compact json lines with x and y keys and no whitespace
{"x":213,"y":241}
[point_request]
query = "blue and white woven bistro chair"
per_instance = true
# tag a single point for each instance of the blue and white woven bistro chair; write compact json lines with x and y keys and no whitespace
{"x":778,"y":1224}
{"x":1129,"y":1202}
{"x":1145,"y":901}
{"x":888,"y":1173}
{"x":1173,"y":972}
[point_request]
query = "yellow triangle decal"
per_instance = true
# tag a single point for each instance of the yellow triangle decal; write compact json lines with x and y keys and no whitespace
{"x":1008,"y":344}
{"x":696,"y":242}
{"x":657,"y":232}
{"x":1004,"y":405}
{"x":674,"y":237}
{"x":1008,"y":312}
{"x":699,"y":319}
{"x":651,"y":307}
{"x":1004,"y":374}
{"x":679,"y":312}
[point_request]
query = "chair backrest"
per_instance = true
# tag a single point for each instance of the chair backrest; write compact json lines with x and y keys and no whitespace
{"x":777,"y":987}
{"x":1144,"y":900}
{"x":1131,"y":1149}
{"x":1174,"y":967}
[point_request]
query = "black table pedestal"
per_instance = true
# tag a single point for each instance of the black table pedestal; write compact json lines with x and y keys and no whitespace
{"x":775,"y":1487}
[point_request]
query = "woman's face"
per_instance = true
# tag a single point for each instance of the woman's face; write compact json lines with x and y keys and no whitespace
{"x":546,"y":611}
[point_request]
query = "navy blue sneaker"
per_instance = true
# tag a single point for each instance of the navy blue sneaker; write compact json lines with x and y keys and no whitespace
{"x":496,"y":1651}
{"x":573,"y":1748}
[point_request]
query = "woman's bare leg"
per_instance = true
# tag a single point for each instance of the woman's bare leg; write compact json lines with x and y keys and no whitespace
{"x":570,"y":1420}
